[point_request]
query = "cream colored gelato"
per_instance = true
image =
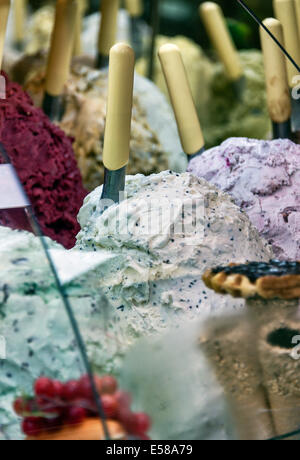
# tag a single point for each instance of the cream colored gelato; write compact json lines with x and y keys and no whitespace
{"x":226,"y":115}
{"x":40,"y":29}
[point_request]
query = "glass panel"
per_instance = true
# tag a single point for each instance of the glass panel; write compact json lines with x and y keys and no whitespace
{"x":39,"y":336}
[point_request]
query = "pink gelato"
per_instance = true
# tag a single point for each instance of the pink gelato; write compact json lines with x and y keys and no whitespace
{"x":263,"y":177}
{"x":45,"y":162}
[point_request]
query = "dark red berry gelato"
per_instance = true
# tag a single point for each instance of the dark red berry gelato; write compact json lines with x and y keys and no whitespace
{"x":43,"y":157}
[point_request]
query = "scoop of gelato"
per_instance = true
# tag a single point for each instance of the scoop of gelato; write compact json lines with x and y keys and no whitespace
{"x":262,"y":177}
{"x":226,"y":115}
{"x":44,"y":160}
{"x":169,"y":229}
{"x":40,"y":30}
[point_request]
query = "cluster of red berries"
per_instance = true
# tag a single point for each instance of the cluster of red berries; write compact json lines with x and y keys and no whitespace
{"x":56,"y":404}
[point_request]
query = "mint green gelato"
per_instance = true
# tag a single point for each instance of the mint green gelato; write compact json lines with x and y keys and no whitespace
{"x":226,"y":116}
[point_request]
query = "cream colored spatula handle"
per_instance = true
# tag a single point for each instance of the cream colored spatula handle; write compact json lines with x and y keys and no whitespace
{"x":119,"y":107}
{"x":4,"y":12}
{"x":77,"y":50}
{"x":214,"y":21}
{"x":286,"y":13}
{"x":19,"y":19}
{"x":62,"y":43}
{"x":108,"y":30}
{"x":279,"y":101}
{"x":134,"y":8}
{"x":189,"y":128}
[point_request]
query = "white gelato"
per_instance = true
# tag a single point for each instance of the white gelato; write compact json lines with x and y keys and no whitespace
{"x":168,"y":231}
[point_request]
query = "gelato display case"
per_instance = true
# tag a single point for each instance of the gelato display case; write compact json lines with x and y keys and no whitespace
{"x":149,"y":221}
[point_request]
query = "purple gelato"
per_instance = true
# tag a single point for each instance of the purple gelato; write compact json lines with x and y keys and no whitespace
{"x":263,"y":177}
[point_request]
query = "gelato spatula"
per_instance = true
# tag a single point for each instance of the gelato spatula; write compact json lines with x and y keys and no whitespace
{"x":188,"y":123}
{"x":4,"y":12}
{"x":107,"y":32}
{"x":135,"y":10}
{"x":60,"y":56}
{"x":77,"y":48}
{"x":20,"y":7}
{"x":279,"y":102}
{"x":214,"y":22}
{"x":118,"y":122}
{"x":286,"y":14}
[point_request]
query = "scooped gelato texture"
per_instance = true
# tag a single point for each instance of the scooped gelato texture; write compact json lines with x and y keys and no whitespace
{"x":44,"y":160}
{"x":40,"y":30}
{"x":227,"y":115}
{"x":168,"y":230}
{"x":84,"y":119}
{"x":263,"y":178}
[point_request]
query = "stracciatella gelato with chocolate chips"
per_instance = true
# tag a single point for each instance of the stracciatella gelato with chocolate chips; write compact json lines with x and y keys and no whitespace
{"x":168,"y":230}
{"x":85,"y":98}
{"x":263,"y":178}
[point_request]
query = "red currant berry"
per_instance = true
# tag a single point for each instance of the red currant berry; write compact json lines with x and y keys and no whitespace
{"x":110,"y":406}
{"x":75,"y":415}
{"x":109,"y":385}
{"x":58,"y":388}
{"x":126,"y":417}
{"x":140,"y":423}
{"x":85,"y":388}
{"x":71,"y":390}
{"x":33,"y":426}
{"x":19,"y":406}
{"x":124,"y":399}
{"x":44,"y":387}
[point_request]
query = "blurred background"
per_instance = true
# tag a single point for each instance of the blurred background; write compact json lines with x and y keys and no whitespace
{"x":181,"y":17}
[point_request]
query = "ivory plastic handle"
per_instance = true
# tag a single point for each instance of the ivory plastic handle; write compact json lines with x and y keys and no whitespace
{"x":214,"y":21}
{"x":279,"y":101}
{"x":286,"y":14}
{"x":62,"y":43}
{"x":4,"y":12}
{"x":19,"y":19}
{"x":189,"y":128}
{"x":297,"y":6}
{"x":77,"y":50}
{"x":119,"y":107}
{"x":134,"y":8}
{"x":108,"y":28}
